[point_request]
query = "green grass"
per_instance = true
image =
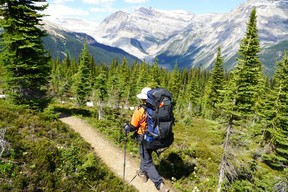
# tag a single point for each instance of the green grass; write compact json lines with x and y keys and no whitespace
{"x":192,"y":162}
{"x":45,"y":155}
{"x":199,"y":149}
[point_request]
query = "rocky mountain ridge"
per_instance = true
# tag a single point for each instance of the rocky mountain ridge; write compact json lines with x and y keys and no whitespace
{"x":192,"y":40}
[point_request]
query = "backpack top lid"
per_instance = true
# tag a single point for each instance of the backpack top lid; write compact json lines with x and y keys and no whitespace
{"x":156,"y":95}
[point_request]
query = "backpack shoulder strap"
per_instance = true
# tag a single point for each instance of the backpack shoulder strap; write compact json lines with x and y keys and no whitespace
{"x":143,"y":106}
{"x":145,"y":113}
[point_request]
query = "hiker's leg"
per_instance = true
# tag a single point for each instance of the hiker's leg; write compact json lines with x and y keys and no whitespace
{"x":148,"y":167}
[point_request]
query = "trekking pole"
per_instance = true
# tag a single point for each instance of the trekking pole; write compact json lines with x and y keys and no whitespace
{"x":124,"y":166}
{"x":132,"y":179}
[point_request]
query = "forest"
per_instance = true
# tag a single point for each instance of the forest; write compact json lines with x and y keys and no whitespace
{"x":231,"y":126}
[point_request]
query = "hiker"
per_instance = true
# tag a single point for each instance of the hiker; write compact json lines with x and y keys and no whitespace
{"x":138,"y":125}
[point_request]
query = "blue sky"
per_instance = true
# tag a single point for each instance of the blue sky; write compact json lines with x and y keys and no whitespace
{"x":97,"y":10}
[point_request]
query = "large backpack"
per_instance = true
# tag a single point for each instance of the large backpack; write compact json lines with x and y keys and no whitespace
{"x":160,"y":119}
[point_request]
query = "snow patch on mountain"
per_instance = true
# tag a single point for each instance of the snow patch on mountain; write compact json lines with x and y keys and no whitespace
{"x":74,"y":24}
{"x":148,"y":26}
{"x":148,"y":33}
{"x":53,"y":29}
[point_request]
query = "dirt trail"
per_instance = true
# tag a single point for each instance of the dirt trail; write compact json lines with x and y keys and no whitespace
{"x":112,"y":156}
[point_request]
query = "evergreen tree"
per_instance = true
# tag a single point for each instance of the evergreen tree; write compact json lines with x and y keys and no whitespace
{"x":192,"y":95}
{"x":249,"y":71}
{"x":1,"y":78}
{"x":23,"y":56}
{"x":113,"y":84}
{"x":143,"y":76}
{"x":55,"y":77}
{"x":241,"y":98}
{"x":277,"y":119}
{"x":213,"y":91}
{"x":155,"y":79}
{"x":101,"y":86}
{"x":82,"y":84}
{"x":175,"y":84}
{"x":134,"y":71}
{"x":124,"y":89}
{"x":69,"y":68}
{"x":100,"y":91}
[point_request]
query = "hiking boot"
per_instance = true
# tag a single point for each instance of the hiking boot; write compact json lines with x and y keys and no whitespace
{"x":159,"y":151}
{"x":163,"y":188}
{"x":142,"y":175}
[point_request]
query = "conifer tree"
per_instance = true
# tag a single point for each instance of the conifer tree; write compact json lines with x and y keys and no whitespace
{"x":241,"y":97}
{"x":193,"y":91}
{"x":23,"y":56}
{"x":113,"y":84}
{"x":101,"y":86}
{"x":213,"y":91}
{"x":143,"y":76}
{"x":134,"y":71}
{"x":124,"y":89}
{"x":1,"y":78}
{"x":181,"y":100}
{"x":82,"y":84}
{"x":155,"y":75}
{"x":55,"y":76}
{"x":100,"y":91}
{"x":174,"y":83}
{"x":249,"y":70}
{"x":277,"y":118}
{"x":69,"y":68}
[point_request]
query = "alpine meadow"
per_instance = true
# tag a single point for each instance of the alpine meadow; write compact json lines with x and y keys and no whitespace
{"x":230,"y":129}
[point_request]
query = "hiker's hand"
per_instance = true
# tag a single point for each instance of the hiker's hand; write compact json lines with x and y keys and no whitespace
{"x":126,"y":128}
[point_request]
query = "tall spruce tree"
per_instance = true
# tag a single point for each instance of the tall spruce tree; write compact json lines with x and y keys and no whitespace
{"x":82,"y":84}
{"x":56,"y":74}
{"x":25,"y":61}
{"x":113,"y":84}
{"x":276,"y":131}
{"x":241,"y":97}
{"x":249,"y":70}
{"x":213,"y":91}
{"x":143,"y":76}
{"x":155,"y":74}
{"x":124,"y":78}
{"x":192,"y":91}
{"x":174,"y":82}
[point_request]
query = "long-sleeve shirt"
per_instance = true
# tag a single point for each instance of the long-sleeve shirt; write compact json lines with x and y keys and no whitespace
{"x":139,"y":120}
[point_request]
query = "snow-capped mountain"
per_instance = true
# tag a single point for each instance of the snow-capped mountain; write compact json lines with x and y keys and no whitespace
{"x":74,"y":24}
{"x":188,"y":39}
{"x":141,"y":30}
{"x":61,"y":41}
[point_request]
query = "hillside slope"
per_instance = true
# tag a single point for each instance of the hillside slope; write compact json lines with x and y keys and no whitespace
{"x":43,"y":154}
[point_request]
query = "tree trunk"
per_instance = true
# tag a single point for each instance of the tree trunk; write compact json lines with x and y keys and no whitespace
{"x":224,"y":157}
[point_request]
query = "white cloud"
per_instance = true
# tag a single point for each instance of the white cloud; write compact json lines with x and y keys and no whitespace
{"x":103,"y":6}
{"x":135,"y":1}
{"x":103,"y":9}
{"x":61,"y":1}
{"x":58,"y":10}
{"x":98,"y":2}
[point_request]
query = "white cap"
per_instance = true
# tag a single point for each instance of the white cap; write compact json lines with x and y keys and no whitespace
{"x":143,"y":94}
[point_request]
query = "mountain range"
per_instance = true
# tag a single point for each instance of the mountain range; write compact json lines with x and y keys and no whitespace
{"x":61,"y":41}
{"x":188,"y":39}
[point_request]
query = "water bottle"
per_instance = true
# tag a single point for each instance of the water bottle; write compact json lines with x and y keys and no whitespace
{"x":148,"y":137}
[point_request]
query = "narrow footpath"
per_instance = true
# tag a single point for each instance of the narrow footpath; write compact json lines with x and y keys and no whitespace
{"x":112,"y":156}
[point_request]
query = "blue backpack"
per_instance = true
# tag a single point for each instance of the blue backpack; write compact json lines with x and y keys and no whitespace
{"x":160,"y":117}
